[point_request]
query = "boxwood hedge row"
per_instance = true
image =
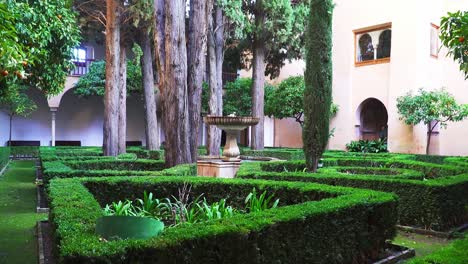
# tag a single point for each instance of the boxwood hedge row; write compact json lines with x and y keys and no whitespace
{"x":314,"y":224}
{"x":438,"y":203}
{"x":100,"y":168}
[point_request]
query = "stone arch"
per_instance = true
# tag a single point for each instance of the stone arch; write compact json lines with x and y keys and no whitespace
{"x":372,"y":118}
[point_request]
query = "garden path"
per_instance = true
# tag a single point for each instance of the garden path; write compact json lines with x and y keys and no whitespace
{"x":18,"y":215}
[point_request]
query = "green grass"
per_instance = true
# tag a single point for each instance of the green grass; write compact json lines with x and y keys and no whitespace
{"x":422,"y":244}
{"x":455,"y":253}
{"x":17,"y":214}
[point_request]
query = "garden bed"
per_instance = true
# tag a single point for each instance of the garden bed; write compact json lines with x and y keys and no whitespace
{"x":314,"y":224}
{"x":439,"y":203}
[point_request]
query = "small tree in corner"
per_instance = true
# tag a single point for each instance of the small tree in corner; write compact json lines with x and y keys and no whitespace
{"x":432,"y":108}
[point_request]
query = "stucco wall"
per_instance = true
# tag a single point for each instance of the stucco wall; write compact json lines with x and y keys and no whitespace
{"x":411,"y":67}
{"x":34,"y":127}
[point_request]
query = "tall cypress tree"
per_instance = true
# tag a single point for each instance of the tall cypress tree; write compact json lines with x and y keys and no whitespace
{"x":318,"y":81}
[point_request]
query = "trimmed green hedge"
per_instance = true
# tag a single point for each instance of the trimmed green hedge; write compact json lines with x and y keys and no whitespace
{"x":438,"y":203}
{"x":129,"y":165}
{"x":24,"y":152}
{"x":4,"y":156}
{"x":279,"y":153}
{"x":313,"y":224}
{"x":100,"y":168}
{"x":455,"y":253}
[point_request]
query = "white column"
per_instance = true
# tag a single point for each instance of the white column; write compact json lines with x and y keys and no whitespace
{"x":53,"y":111}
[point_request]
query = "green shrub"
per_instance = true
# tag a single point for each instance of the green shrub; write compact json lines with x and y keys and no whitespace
{"x":127,"y":156}
{"x":24,"y":152}
{"x":367,"y":146}
{"x":316,"y":224}
{"x":4,"y":156}
{"x":438,"y":203}
{"x":120,"y":164}
{"x":94,"y":168}
{"x":279,"y":153}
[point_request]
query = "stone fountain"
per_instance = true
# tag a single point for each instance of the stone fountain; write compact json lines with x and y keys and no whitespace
{"x":228,"y":165}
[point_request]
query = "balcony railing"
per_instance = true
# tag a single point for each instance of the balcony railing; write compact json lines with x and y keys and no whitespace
{"x":81,"y":67}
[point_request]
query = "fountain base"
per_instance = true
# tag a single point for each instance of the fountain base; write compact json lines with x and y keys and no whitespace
{"x":218,"y":168}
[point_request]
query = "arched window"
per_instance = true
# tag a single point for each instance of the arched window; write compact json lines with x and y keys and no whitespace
{"x":385,"y":43}
{"x":366,"y":48}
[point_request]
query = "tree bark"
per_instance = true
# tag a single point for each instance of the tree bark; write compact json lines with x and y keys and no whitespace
{"x":196,"y":67}
{"x":215,"y":102}
{"x":174,"y":92}
{"x":219,"y":41}
{"x":152,"y":132}
{"x":123,"y":100}
{"x":111,"y":96}
{"x":11,"y":126}
{"x":258,"y":79}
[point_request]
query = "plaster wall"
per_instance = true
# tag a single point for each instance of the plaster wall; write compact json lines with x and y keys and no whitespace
{"x":35,"y":127}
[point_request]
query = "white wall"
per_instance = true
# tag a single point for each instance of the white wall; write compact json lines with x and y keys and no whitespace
{"x":82,"y":119}
{"x":34,"y":127}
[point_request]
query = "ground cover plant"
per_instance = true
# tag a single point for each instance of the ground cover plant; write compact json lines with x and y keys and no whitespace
{"x":431,"y":195}
{"x":18,"y":216}
{"x":318,"y":223}
{"x":455,"y":253}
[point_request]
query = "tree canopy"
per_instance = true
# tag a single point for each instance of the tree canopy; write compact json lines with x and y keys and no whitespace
{"x":453,"y":33}
{"x":93,"y":83}
{"x":287,"y":100}
{"x":236,"y":97}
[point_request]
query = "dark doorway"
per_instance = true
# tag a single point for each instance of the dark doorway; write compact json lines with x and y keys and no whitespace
{"x":373,"y":119}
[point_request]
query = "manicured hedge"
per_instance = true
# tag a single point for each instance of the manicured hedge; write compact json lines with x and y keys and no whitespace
{"x":279,"y":153}
{"x":24,"y":152}
{"x":438,"y":203}
{"x":455,"y":253}
{"x":100,"y":168}
{"x":345,"y":228}
{"x":4,"y":156}
{"x":129,"y":165}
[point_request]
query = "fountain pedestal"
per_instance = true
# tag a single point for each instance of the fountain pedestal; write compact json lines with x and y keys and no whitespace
{"x":217,"y":168}
{"x":229,"y":164}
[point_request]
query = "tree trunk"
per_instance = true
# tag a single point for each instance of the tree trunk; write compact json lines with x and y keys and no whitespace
{"x":196,"y":67}
{"x":258,"y":79}
{"x":215,"y":101}
{"x":123,"y":100}
{"x":219,"y":42}
{"x":11,"y":126}
{"x":111,"y":96}
{"x":429,"y":136}
{"x":174,"y":92}
{"x":152,"y":132}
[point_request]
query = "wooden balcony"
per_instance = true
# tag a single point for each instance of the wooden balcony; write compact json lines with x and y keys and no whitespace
{"x":81,"y":67}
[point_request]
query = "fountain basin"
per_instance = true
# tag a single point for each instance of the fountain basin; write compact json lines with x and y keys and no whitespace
{"x":227,"y":165}
{"x":231,"y":125}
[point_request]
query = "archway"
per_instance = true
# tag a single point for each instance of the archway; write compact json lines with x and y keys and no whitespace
{"x":373,"y":118}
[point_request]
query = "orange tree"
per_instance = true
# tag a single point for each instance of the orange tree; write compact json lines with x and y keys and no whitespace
{"x":454,"y":34}
{"x":431,"y":108}
{"x":39,"y":37}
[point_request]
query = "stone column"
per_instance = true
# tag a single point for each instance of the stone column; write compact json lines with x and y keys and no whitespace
{"x":53,"y":111}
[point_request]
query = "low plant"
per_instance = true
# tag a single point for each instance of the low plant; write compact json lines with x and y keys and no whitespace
{"x":367,"y":146}
{"x":182,"y":210}
{"x":261,"y":203}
